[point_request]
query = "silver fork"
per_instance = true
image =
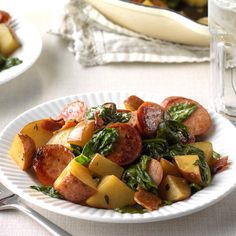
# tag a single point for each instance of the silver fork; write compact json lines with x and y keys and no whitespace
{"x":8,"y":201}
{"x":14,"y":24}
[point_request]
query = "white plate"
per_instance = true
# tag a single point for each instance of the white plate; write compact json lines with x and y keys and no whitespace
{"x":222,"y":136}
{"x":30,"y":50}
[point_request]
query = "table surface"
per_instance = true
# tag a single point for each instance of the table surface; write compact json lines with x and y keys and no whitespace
{"x":57,"y":74}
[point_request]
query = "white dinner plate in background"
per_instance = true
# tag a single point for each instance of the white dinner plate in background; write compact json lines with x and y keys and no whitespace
{"x":222,"y":135}
{"x":31,"y":46}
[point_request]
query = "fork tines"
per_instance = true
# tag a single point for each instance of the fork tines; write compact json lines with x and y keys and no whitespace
{"x":14,"y":24}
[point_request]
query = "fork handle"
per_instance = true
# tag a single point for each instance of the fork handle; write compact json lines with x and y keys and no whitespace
{"x":48,"y":225}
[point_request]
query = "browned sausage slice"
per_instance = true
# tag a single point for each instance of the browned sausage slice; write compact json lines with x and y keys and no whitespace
{"x":74,"y":111}
{"x":4,"y":17}
{"x":149,"y":116}
{"x":49,"y":161}
{"x":155,"y":170}
{"x":127,"y":147}
{"x":52,"y":125}
{"x":198,"y":122}
{"x":147,"y":200}
{"x":74,"y":190}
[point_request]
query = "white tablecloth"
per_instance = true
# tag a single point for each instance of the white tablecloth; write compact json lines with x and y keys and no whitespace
{"x":56,"y":74}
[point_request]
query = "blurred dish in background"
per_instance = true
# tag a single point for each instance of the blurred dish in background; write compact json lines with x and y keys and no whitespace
{"x":159,"y":22}
{"x":193,"y":9}
{"x":9,"y":42}
{"x":20,"y":46}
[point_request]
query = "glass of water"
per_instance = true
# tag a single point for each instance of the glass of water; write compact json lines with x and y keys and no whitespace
{"x":222,"y":24}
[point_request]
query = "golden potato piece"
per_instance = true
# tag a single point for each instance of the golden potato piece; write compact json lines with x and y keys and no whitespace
{"x":103,"y":166}
{"x":111,"y":193}
{"x":206,"y":147}
{"x":8,"y":41}
{"x":75,"y":183}
{"x":82,"y":133}
{"x":174,"y":189}
{"x":22,"y":150}
{"x":196,"y":3}
{"x":189,"y":168}
{"x":132,"y":103}
{"x":37,"y":132}
{"x":169,"y":168}
{"x":61,"y":137}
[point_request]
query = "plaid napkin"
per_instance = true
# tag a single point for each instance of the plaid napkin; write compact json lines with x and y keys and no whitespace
{"x":94,"y":40}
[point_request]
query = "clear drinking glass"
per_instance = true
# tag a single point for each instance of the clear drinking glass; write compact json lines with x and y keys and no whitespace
{"x":222,"y":24}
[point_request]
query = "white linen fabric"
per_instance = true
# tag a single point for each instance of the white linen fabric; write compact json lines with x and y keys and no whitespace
{"x":94,"y":40}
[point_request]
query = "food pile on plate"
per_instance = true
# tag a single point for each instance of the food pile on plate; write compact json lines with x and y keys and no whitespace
{"x":131,"y":160}
{"x":8,"y":42}
{"x":194,"y":9}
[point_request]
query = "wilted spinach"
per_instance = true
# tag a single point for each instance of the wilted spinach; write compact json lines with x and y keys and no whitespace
{"x":76,"y":149}
{"x":101,"y":142}
{"x":195,"y":187}
{"x":180,"y":149}
{"x":216,"y":155}
{"x":173,"y":4}
{"x":180,"y":112}
{"x":154,"y":147}
{"x":131,"y":209}
{"x":48,"y":190}
{"x":173,"y":132}
{"x":6,"y":63}
{"x":137,"y":175}
{"x":108,"y":113}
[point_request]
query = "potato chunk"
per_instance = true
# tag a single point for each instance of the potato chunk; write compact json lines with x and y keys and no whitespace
{"x":103,"y":166}
{"x":75,"y":183}
{"x":61,"y":137}
{"x":37,"y":132}
{"x":206,"y":147}
{"x":111,"y":193}
{"x":8,"y":41}
{"x":132,"y":103}
{"x":174,"y":189}
{"x":82,"y":133}
{"x":189,"y":168}
{"x":169,"y":168}
{"x":22,"y":150}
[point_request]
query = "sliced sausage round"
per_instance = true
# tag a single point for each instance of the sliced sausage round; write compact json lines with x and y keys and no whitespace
{"x":128,"y":145}
{"x":74,"y":111}
{"x":198,"y":122}
{"x":149,"y":116}
{"x":4,"y":16}
{"x":155,"y":170}
{"x":49,"y":161}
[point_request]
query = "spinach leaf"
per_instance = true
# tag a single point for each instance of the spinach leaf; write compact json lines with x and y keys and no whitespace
{"x":173,"y":4}
{"x":76,"y":149}
{"x":173,"y":132}
{"x":216,"y":155}
{"x":47,"y":190}
{"x":131,"y":209}
{"x":180,"y":149}
{"x":166,"y":203}
{"x":6,"y":63}
{"x":137,"y":175}
{"x":180,"y":112}
{"x":195,"y":188}
{"x":108,"y":113}
{"x":101,"y":142}
{"x":154,"y":147}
